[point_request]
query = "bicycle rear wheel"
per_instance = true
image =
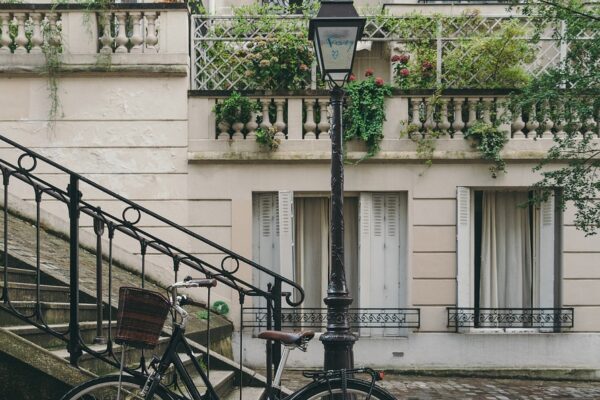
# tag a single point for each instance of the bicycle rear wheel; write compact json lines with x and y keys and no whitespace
{"x":106,"y":388}
{"x":356,"y":389}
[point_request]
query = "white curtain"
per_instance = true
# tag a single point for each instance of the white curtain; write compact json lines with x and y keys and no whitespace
{"x":312,"y":247}
{"x":506,"y":259}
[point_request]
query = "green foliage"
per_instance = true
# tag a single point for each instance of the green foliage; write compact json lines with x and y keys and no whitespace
{"x":490,"y":141}
{"x":570,"y":94}
{"x":494,"y":61}
{"x":235,"y":108}
{"x":219,"y":307}
{"x":281,"y":60}
{"x":266,"y":138}
{"x":365,"y":112}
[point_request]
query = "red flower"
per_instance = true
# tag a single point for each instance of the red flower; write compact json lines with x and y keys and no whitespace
{"x":351,"y":78}
{"x":369,"y":72}
{"x":395,"y":58}
{"x":379,"y":81}
{"x":404,"y":58}
{"x":427,"y":66}
{"x":404,"y":72}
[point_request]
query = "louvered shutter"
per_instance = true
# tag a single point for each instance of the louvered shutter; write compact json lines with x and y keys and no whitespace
{"x":266,"y":237}
{"x":464,"y":253}
{"x":546,"y":253}
{"x":286,"y":234}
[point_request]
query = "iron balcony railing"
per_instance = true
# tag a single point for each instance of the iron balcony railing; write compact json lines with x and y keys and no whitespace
{"x":550,"y":319}
{"x":27,"y":172}
{"x":368,"y":321}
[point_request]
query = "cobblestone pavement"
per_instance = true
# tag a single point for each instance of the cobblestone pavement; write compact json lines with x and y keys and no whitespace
{"x":426,"y":388}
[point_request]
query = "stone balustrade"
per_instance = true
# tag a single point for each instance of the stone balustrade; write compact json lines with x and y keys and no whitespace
{"x":147,"y":34}
{"x":306,"y":118}
{"x":26,"y":31}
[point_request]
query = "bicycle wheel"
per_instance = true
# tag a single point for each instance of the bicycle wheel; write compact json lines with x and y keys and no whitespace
{"x":106,"y":388}
{"x":356,"y":389}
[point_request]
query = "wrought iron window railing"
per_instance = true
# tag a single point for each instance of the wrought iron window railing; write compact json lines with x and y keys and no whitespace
{"x":550,"y":319}
{"x":368,"y":321}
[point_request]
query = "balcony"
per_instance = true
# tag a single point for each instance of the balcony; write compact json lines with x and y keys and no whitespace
{"x":71,"y":38}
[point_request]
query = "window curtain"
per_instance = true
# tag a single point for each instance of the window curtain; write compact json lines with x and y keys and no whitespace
{"x":506,"y":259}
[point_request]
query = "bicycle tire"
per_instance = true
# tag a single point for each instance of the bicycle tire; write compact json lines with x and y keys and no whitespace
{"x":105,"y":388}
{"x":356,"y":389}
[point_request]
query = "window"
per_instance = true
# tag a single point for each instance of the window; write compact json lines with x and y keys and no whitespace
{"x":291,"y":235}
{"x":506,"y":251}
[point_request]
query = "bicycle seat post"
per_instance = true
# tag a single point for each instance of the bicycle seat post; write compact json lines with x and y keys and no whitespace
{"x":281,"y":366}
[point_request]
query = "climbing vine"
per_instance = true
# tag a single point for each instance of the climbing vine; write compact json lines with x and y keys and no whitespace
{"x":489,"y":140}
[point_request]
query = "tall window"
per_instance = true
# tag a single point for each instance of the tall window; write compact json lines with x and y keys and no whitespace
{"x":506,"y":250}
{"x":374,"y":244}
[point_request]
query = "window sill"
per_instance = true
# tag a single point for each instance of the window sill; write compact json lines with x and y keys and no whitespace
{"x":508,"y":331}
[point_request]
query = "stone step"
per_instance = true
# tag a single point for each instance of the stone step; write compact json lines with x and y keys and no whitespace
{"x":19,"y":275}
{"x":28,"y":292}
{"x":248,"y":393}
{"x":222,"y":382}
{"x":51,"y":342}
{"x":52,"y":313}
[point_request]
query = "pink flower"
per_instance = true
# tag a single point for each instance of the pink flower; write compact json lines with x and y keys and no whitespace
{"x":404,"y":72}
{"x":351,"y":78}
{"x":369,"y":72}
{"x":404,"y":58}
{"x":395,"y":58}
{"x":379,"y":81}
{"x":303,"y":67}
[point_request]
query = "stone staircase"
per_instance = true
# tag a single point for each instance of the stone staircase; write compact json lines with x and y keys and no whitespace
{"x":22,"y":345}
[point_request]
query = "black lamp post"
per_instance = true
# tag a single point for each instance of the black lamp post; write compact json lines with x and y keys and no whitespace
{"x":335,"y":31}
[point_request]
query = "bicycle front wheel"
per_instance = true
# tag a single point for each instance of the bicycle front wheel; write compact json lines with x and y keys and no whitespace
{"x":106,"y":388}
{"x":356,"y":389}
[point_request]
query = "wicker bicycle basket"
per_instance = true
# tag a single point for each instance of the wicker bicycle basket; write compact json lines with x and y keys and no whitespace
{"x":140,"y":318}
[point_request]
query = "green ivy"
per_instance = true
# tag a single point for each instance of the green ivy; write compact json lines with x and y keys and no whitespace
{"x":364,"y":114}
{"x":266,"y":138}
{"x":235,"y":108}
{"x":490,"y":141}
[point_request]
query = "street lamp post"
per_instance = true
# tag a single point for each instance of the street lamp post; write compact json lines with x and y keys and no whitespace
{"x":335,"y":32}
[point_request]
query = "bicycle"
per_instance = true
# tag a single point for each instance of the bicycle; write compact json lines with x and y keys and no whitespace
{"x":137,"y":323}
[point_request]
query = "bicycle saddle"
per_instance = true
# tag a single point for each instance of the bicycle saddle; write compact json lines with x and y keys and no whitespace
{"x":297,"y":338}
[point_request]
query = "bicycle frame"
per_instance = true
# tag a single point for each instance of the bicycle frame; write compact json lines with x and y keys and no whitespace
{"x":171,"y":356}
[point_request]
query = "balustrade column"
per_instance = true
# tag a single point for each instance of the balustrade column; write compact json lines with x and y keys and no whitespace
{"x":280,"y":124}
{"x":444,"y":124}
{"x":324,"y":124}
{"x":518,"y":124}
{"x":532,"y":123}
{"x":21,"y":39}
{"x":561,"y":124}
{"x":251,"y":126}
{"x":266,"y":120}
{"x":5,"y":40}
{"x":548,"y":123}
{"x":151,"y":34}
{"x":106,"y":39}
{"x":136,"y":37}
{"x":430,"y":124}
{"x":310,"y":125}
{"x":458,"y":123}
{"x":121,"y":39}
{"x":486,"y":116}
{"x":416,"y":112}
{"x":472,"y":111}
{"x":36,"y":35}
{"x":53,"y":32}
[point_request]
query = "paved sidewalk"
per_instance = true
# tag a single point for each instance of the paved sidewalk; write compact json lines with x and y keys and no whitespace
{"x":426,"y":388}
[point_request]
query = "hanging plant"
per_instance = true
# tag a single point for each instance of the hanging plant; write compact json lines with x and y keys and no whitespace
{"x":490,"y":141}
{"x":364,"y":114}
{"x":266,"y":138}
{"x":235,"y":108}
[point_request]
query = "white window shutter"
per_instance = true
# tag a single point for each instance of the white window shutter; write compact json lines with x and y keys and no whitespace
{"x":546,"y":253}
{"x":464,"y":254}
{"x":364,"y":243}
{"x":286,"y":234}
{"x":266,"y":237}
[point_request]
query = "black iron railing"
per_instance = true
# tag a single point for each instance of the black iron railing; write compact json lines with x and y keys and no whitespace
{"x":316,"y":318}
{"x":550,"y":319}
{"x":22,"y":167}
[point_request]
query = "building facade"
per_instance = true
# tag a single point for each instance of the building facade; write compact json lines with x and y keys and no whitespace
{"x":470,"y":276}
